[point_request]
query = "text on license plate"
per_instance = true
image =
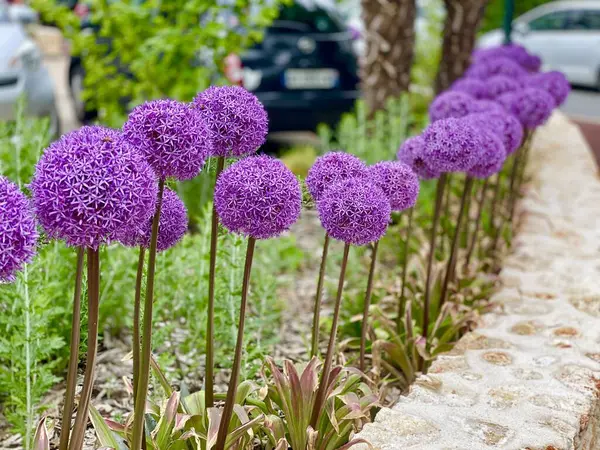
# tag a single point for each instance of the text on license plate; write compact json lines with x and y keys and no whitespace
{"x":311,"y":78}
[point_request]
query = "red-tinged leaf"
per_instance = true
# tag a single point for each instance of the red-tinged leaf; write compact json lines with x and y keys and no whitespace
{"x":195,"y":403}
{"x":214,"y":419}
{"x":41,"y":440}
{"x":282,"y":445}
{"x":128,"y":386}
{"x":330,"y":410}
{"x":181,"y":421}
{"x":115,"y":426}
{"x":106,"y":436}
{"x":238,"y":433}
{"x":309,"y":380}
{"x":162,"y":433}
{"x":354,"y":442}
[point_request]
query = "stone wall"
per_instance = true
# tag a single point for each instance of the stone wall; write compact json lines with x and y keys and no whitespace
{"x":529,"y":376}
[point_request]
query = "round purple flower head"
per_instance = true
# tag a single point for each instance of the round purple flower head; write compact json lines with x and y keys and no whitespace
{"x":398,"y":182}
{"x":411,"y":153}
{"x":451,"y":145}
{"x":450,"y":104}
{"x":237,"y":120}
{"x":331,"y":168}
{"x":530,"y":105}
{"x":472,"y":86}
{"x":501,"y":84}
{"x":258,"y":197}
{"x":515,"y":52}
{"x":495,"y":66}
{"x":554,"y":82}
{"x":172,"y":225}
{"x":485,"y":106}
{"x":355,"y":211}
{"x":91,"y":183}
{"x":492,"y":154}
{"x":171,"y":135}
{"x":18,"y":234}
{"x":506,"y":126}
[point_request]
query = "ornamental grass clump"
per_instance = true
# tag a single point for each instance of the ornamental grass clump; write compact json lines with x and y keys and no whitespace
{"x":18,"y":232}
{"x":87,"y":187}
{"x":356,"y":212}
{"x":238,"y":125}
{"x":450,"y":104}
{"x":175,"y":141}
{"x":327,"y":170}
{"x":260,"y":198}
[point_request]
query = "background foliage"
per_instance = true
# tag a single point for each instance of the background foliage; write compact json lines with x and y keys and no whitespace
{"x":494,"y":12}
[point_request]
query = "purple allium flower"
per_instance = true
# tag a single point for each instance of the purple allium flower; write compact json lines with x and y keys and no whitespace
{"x":554,"y":82}
{"x":18,"y":233}
{"x":450,"y":104}
{"x":506,"y":126}
{"x":451,"y":145}
{"x":398,"y":182}
{"x":492,"y":154}
{"x":237,"y":120}
{"x":332,"y":168}
{"x":171,"y":135}
{"x":91,"y":183}
{"x":472,"y":86}
{"x":485,"y":106}
{"x":495,"y":66}
{"x":172,"y":225}
{"x":530,"y":105}
{"x":501,"y":84}
{"x":258,"y":197}
{"x":355,"y":211}
{"x":515,"y":52}
{"x":411,"y":153}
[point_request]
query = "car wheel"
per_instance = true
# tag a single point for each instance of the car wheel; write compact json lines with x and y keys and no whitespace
{"x":76,"y":83}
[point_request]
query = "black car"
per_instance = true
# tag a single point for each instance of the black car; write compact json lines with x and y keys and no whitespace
{"x":304,"y":71}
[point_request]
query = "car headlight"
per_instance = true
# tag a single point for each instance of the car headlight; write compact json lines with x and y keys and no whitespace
{"x":27,"y":56}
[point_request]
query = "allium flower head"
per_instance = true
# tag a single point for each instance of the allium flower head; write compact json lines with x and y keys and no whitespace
{"x":450,"y":104}
{"x":515,"y":52}
{"x":258,"y":197}
{"x":172,"y":225}
{"x":237,"y":120}
{"x":91,"y":183}
{"x":171,"y":135}
{"x":331,"y":168}
{"x":451,"y":145}
{"x":501,"y":84}
{"x":18,"y":234}
{"x":506,"y":126}
{"x":355,"y":211}
{"x":495,"y":66}
{"x":492,"y":154}
{"x":472,"y":86}
{"x":485,"y":106}
{"x":411,"y":153}
{"x":554,"y":82}
{"x":398,"y":182}
{"x":530,"y":105}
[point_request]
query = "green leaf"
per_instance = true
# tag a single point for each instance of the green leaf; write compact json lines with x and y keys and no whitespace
{"x":41,"y":441}
{"x":106,"y":436}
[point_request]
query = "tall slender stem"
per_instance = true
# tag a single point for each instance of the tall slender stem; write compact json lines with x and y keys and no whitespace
{"x":136,"y":320}
{"x":314,"y":347}
{"x":318,"y":406}
{"x":365,"y":319}
{"x":455,"y":239}
{"x":446,"y":214}
{"x":237,"y":359}
{"x":144,"y":375}
{"x":93,"y":285}
{"x":65,"y":425}
{"x":477,"y":223}
{"x":495,"y":200}
{"x":513,"y":185}
{"x":436,"y":219}
{"x":402,"y":301}
{"x":210,"y":314}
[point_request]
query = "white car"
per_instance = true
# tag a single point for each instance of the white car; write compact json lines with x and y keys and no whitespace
{"x":565,"y":34}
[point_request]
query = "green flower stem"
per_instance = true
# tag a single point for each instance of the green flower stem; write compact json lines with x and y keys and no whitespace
{"x":495,"y":200}
{"x":454,"y":248}
{"x":65,"y":426}
{"x":144,"y":374}
{"x":314,"y":347}
{"x":93,"y":285}
{"x":365,"y":319}
{"x":210,"y":314}
{"x":136,"y":320}
{"x":402,"y":301}
{"x":512,"y":196}
{"x":320,"y":400}
{"x":446,"y":214}
{"x":439,"y":196}
{"x":237,"y":360}
{"x":480,"y":205}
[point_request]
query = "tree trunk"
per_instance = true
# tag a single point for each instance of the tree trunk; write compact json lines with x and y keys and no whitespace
{"x":462,"y":21}
{"x":390,"y":39}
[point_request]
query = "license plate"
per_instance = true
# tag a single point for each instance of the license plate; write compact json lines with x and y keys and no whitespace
{"x":311,"y":78}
